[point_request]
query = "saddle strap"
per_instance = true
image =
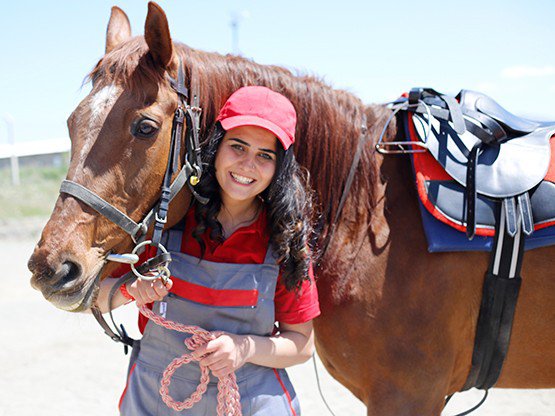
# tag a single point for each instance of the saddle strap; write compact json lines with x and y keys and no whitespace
{"x":499,"y":298}
{"x":440,"y":105}
{"x":471,"y":167}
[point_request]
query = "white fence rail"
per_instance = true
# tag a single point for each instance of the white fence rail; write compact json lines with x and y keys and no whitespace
{"x":10,"y":153}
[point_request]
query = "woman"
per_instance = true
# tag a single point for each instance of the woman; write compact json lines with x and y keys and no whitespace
{"x":240,"y":264}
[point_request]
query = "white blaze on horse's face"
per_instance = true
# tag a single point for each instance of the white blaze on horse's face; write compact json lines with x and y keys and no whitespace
{"x":102,"y":101}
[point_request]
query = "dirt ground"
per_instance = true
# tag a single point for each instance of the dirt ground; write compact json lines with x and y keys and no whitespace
{"x":57,"y":363}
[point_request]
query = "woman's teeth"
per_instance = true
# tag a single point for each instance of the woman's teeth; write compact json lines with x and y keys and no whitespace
{"x":242,"y":179}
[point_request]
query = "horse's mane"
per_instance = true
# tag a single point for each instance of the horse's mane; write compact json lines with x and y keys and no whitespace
{"x":328,"y":120}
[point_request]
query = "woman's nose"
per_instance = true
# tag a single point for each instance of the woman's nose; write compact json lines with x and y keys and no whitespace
{"x":249,"y":162}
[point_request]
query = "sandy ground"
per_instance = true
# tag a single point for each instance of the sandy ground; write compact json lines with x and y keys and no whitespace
{"x":57,"y":363}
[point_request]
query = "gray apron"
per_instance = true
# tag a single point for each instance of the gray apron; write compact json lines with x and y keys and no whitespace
{"x":264,"y":391}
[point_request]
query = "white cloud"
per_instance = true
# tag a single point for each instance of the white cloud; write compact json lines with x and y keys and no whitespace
{"x":524,"y":71}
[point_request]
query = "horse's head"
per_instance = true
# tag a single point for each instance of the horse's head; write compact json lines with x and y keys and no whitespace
{"x":120,"y":135}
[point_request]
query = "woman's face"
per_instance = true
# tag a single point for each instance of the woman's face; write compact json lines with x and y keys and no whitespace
{"x":245,"y":163}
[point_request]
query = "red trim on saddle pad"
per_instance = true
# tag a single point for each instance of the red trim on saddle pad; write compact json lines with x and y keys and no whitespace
{"x":214,"y":297}
{"x":286,"y":392}
{"x":126,"y":385}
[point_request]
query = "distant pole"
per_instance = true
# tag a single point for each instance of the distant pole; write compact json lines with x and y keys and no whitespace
{"x":8,"y":119}
{"x":234,"y":23}
{"x":235,"y":33}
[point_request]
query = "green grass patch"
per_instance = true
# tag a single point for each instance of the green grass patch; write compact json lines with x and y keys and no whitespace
{"x":36,"y":194}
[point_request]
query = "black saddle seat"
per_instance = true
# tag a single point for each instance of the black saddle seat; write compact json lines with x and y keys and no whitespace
{"x":514,"y":125}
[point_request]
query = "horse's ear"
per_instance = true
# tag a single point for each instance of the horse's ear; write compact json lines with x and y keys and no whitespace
{"x":119,"y":29}
{"x":157,"y":35}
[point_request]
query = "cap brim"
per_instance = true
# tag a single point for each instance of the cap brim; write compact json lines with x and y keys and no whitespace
{"x":239,"y":121}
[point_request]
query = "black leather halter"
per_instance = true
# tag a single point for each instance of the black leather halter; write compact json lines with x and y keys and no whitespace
{"x":190,"y":172}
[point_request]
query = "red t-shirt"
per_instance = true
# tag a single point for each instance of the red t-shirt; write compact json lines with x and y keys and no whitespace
{"x":247,"y":245}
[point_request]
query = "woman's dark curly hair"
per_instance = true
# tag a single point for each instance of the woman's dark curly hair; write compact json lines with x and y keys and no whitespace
{"x":288,"y":203}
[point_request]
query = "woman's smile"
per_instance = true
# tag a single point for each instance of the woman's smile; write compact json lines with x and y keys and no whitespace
{"x":243,"y":180}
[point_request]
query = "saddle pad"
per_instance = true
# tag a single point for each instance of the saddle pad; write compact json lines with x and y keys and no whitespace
{"x":442,"y":202}
{"x":504,"y":170}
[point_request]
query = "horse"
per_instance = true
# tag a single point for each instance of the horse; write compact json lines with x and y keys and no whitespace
{"x":397,"y":324}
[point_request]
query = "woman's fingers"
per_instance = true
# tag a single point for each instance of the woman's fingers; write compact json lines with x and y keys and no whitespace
{"x":149,"y":291}
{"x":159,"y":288}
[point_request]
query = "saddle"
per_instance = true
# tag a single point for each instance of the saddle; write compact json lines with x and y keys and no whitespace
{"x":484,"y":154}
{"x":484,"y":171}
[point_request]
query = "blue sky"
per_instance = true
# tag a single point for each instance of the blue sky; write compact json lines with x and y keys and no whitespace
{"x":373,"y":49}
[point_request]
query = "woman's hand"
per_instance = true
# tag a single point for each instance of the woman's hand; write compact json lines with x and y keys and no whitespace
{"x":224,"y":354}
{"x":145,"y":291}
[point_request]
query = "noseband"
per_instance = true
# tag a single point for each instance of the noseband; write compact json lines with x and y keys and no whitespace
{"x":190,"y":173}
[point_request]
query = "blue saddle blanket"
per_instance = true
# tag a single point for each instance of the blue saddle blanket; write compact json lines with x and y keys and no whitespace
{"x":441,"y":237}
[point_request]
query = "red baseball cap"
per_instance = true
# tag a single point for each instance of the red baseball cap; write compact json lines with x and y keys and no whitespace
{"x":262,"y":107}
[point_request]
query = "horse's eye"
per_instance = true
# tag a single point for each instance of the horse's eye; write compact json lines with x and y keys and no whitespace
{"x":144,"y":129}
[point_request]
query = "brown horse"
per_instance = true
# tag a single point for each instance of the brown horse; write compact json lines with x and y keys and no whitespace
{"x":397,"y":324}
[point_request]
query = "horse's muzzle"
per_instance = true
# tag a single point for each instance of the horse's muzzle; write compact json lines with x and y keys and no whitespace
{"x":62,"y":283}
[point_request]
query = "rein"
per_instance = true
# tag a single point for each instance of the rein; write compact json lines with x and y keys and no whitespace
{"x":348,"y":183}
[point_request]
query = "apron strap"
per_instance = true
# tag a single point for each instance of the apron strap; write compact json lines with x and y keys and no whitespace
{"x":271,"y":256}
{"x":174,"y":237}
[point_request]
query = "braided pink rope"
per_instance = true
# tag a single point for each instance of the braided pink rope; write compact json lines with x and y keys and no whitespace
{"x":229,"y":400}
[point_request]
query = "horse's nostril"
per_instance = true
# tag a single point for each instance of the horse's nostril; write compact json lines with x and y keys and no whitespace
{"x":68,"y":272}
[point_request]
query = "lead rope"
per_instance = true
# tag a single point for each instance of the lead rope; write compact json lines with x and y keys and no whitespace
{"x":229,"y":400}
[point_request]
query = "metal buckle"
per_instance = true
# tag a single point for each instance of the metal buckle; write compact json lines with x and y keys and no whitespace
{"x":160,"y":220}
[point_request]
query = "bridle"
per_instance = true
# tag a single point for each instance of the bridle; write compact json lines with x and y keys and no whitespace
{"x":185,"y":115}
{"x":190,"y":173}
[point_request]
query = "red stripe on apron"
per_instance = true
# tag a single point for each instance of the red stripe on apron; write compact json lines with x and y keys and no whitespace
{"x":126,"y":384}
{"x":214,"y":297}
{"x":286,"y":392}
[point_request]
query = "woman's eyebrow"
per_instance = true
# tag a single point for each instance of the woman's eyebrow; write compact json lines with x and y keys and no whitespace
{"x":247,"y":144}
{"x":240,"y":141}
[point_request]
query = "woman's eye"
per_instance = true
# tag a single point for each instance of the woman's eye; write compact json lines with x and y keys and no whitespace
{"x":237,"y":147}
{"x":265,"y":156}
{"x":144,"y":129}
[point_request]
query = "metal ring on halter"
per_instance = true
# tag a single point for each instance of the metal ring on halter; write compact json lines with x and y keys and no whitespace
{"x":161,"y":269}
{"x":382,"y":147}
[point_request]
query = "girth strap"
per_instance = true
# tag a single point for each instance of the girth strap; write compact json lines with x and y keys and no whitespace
{"x":499,"y":298}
